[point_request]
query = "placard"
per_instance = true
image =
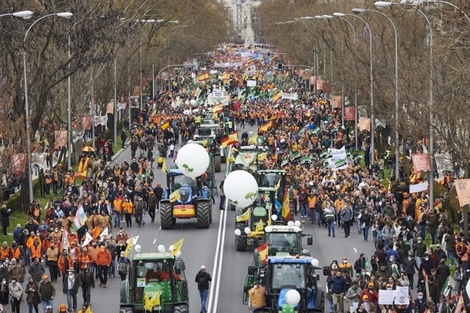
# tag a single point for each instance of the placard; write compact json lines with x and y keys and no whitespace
{"x":420,"y":162}
{"x":463,"y":191}
{"x":402,"y":296}
{"x":337,"y":102}
{"x":251,"y":83}
{"x":387,"y":296}
{"x":349,"y":113}
{"x":419,"y":187}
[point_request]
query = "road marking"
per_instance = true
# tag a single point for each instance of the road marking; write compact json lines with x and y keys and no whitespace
{"x":355,"y":250}
{"x":154,"y":241}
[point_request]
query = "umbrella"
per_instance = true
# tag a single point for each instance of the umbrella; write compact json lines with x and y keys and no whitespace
{"x":88,"y":149}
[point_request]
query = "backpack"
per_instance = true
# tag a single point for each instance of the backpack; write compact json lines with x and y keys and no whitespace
{"x":122,"y":268}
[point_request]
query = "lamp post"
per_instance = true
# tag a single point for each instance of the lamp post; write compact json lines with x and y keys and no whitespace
{"x":23,"y":14}
{"x":431,"y":99}
{"x":26,"y":100}
{"x":397,"y":96}
{"x":371,"y":77}
{"x":448,"y":3}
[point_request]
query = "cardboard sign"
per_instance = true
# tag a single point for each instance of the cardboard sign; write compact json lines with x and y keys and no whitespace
{"x":463,"y":191}
{"x":349,"y":113}
{"x":420,"y":162}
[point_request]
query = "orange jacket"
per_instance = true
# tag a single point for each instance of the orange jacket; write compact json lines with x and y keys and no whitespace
{"x":5,"y":253}
{"x":83,"y":259}
{"x":103,"y":257}
{"x":61,"y":263}
{"x":36,"y":251}
{"x":93,"y":252}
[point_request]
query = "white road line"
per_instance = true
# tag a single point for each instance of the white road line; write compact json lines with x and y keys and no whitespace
{"x":154,"y":241}
{"x":355,"y":250}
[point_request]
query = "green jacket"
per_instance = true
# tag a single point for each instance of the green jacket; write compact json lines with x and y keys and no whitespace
{"x":46,"y":291}
{"x":76,"y":283}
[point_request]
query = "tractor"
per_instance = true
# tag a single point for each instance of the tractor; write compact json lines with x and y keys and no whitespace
{"x":155,"y":282}
{"x":216,"y":154}
{"x":281,"y":275}
{"x":266,"y":210}
{"x":185,"y":198}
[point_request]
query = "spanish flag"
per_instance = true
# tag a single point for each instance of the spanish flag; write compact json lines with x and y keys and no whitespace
{"x":286,"y":206}
{"x":277,"y":96}
{"x":230,"y":139}
{"x":203,"y":77}
{"x":217,"y":108}
{"x":263,"y":252}
{"x":266,"y":127}
{"x":165,"y":125}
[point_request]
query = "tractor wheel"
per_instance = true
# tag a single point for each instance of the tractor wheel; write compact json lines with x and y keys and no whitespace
{"x":203,"y":214}
{"x":240,"y":243}
{"x":217,"y":164}
{"x":181,"y":309}
{"x":166,"y":216}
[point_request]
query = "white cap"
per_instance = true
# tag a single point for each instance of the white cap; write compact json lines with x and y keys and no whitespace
{"x":203,"y":267}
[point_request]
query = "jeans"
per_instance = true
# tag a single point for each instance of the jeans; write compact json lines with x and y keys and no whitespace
{"x":35,"y":306}
{"x":422,"y":231}
{"x":365,"y":232}
{"x":86,"y":293}
{"x":331,"y":228}
{"x":303,"y":210}
{"x":203,"y":294}
{"x":358,"y":224}
{"x":450,"y":254}
{"x":347,"y":228}
{"x":94,"y":269}
{"x":27,"y":259}
{"x":319,"y":217}
{"x":112,"y":269}
{"x":71,"y":300}
{"x":222,"y":202}
{"x":117,"y":219}
{"x":45,"y":303}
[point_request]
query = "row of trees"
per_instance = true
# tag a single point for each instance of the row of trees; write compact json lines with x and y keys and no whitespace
{"x":347,"y":61}
{"x":137,"y":34}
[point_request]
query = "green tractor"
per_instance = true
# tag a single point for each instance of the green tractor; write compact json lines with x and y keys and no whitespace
{"x":183,"y":199}
{"x":155,"y":282}
{"x":266,"y":210}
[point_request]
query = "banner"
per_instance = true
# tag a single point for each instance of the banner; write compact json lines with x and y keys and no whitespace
{"x":349,"y":114}
{"x":320,"y":84}
{"x":387,"y":296}
{"x":443,"y":162}
{"x":336,"y":102}
{"x":364,"y":124}
{"x":326,"y":87}
{"x":420,"y":162}
{"x":60,"y":139}
{"x":462,"y":187}
{"x":101,"y":120}
{"x":290,"y":96}
{"x":19,"y":163}
{"x":86,"y":122}
{"x":110,"y":108}
{"x":38,"y":158}
{"x":402,"y":296}
{"x":251,"y":83}
{"x":419,"y":187}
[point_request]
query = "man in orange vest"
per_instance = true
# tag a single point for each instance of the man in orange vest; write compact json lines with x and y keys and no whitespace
{"x":103,"y":260}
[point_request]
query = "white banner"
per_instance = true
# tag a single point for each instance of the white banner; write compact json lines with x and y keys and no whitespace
{"x":101,"y":120}
{"x":387,"y":296}
{"x":402,"y":297}
{"x":251,"y":83}
{"x":38,"y":158}
{"x":211,"y":100}
{"x":228,"y":64}
{"x":419,"y":187}
{"x":290,"y":95}
{"x":121,"y":106}
{"x":443,"y":162}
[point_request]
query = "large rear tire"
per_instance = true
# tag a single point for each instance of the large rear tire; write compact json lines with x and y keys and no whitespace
{"x":241,"y":243}
{"x":217,"y":163}
{"x":166,"y":216}
{"x":203,"y":214}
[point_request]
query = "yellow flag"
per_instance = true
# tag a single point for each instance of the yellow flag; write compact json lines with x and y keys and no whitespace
{"x":262,"y":156}
{"x":252,"y":139}
{"x":245,"y":216}
{"x":175,"y":195}
{"x":259,"y":226}
{"x":130,"y":245}
{"x":177,"y":246}
{"x":164,"y":166}
{"x":150,"y":303}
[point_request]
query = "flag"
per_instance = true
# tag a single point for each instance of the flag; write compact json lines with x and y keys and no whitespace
{"x":65,"y":239}
{"x":252,"y":139}
{"x":306,"y":160}
{"x":295,"y":155}
{"x":87,"y":240}
{"x":259,"y":227}
{"x":196,"y":92}
{"x":246,"y":158}
{"x":263,"y":252}
{"x":80,"y":218}
{"x":262,"y":156}
{"x":265,"y":127}
{"x":177,"y":246}
{"x":203,"y":77}
{"x":164,"y":166}
{"x":277,"y":96}
{"x":230,"y":139}
{"x":175,"y":195}
{"x":284,"y":163}
{"x":286,"y":206}
{"x":460,"y":304}
{"x":245,"y":216}
{"x":150,"y":303}
{"x":165,"y":125}
{"x":217,"y":108}
{"x":131,"y":242}
{"x":104,"y":233}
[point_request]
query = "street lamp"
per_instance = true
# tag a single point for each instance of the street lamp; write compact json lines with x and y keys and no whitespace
{"x":23,"y":14}
{"x":431,"y":100}
{"x":26,"y":100}
{"x":397,"y":97}
{"x":448,"y":3}
{"x":371,"y":74}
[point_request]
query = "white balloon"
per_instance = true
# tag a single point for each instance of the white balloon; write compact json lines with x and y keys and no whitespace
{"x":274,"y":217}
{"x":292,"y":297}
{"x":138,"y":248}
{"x":193,"y":102}
{"x":192,"y":160}
{"x":297,"y":223}
{"x":290,"y":223}
{"x":178,"y":254}
{"x":170,"y":248}
{"x":247,"y":230}
{"x":161,"y":248}
{"x":238,"y":232}
{"x":241,"y":188}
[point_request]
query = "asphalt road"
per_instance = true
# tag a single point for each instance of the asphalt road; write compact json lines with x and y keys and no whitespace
{"x":214,"y":248}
